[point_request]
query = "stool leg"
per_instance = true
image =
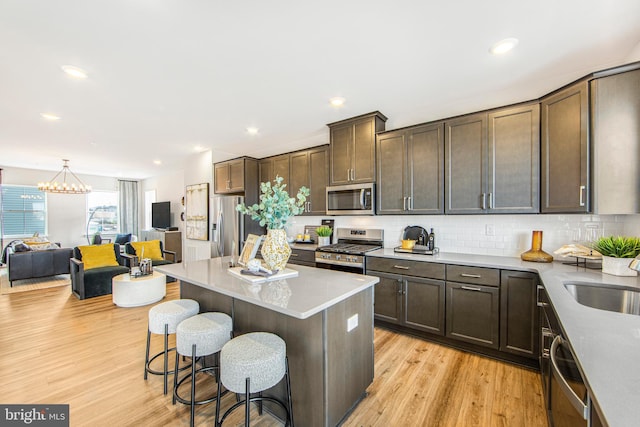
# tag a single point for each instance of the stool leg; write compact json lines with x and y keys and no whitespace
{"x":166,"y":356}
{"x":193,"y":384}
{"x":175,"y":379}
{"x":218,"y":404}
{"x":289,"y":402}
{"x":246,"y":403}
{"x":146,"y":355}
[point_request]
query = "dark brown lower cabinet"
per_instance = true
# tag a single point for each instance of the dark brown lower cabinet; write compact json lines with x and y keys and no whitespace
{"x":473,"y":313}
{"x":413,"y":302}
{"x":519,"y":332}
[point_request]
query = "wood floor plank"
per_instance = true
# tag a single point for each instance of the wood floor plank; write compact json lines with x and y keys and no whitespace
{"x":90,"y":354}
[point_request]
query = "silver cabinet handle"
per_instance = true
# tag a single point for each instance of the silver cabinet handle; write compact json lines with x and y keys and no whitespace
{"x":546,"y":333}
{"x":574,"y":399}
{"x":538,"y":302}
{"x":471,"y":288}
{"x":292,"y":254}
{"x":490,"y":200}
{"x":228,"y":185}
{"x":410,"y":203}
{"x":484,"y":201}
{"x":401,"y":267}
{"x":353,"y":174}
{"x":404,"y":203}
{"x":473,"y":276}
{"x":582,"y":188}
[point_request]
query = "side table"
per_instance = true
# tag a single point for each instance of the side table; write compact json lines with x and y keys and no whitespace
{"x":136,"y":291}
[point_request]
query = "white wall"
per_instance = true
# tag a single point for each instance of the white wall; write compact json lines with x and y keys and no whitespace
{"x":198,"y":169}
{"x":634,"y":55}
{"x":169,"y":188}
{"x":467,"y":233}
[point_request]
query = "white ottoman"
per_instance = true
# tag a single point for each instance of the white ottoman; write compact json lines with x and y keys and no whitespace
{"x":128,"y":291}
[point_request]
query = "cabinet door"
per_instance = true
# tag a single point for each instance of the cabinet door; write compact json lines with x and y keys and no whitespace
{"x":425,"y":169}
{"x":387,"y":299}
{"x":565,"y":151}
{"x":424,"y":304}
{"x":519,"y":331}
{"x":390,"y":191}
{"x":341,"y":139}
{"x":266,"y":170}
{"x":236,"y":175}
{"x":299,"y":172}
{"x":473,"y":313}
{"x":281,"y":168}
{"x":221,"y":178}
{"x":318,"y":178}
{"x":363,"y":155}
{"x":465,"y":164}
{"x":514,"y":156}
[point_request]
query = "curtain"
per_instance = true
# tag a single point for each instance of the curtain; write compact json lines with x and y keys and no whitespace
{"x":128,"y":205}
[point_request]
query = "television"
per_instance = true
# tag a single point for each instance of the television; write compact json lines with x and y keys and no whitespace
{"x":161,"y":215}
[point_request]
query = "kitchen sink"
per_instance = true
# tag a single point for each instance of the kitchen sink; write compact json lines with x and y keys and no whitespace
{"x":615,"y":298}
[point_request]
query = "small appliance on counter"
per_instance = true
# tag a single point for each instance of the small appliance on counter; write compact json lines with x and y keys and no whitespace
{"x":424,"y":241}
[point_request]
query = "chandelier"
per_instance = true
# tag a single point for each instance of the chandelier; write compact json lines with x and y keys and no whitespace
{"x":65,"y":188}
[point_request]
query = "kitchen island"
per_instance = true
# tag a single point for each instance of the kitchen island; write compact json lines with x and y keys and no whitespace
{"x":324,"y":316}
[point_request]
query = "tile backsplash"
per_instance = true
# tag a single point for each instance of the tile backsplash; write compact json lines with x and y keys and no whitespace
{"x":503,"y":235}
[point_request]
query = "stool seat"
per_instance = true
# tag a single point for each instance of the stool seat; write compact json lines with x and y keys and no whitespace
{"x":259,"y":356}
{"x":208,"y":331}
{"x":171,"y":313}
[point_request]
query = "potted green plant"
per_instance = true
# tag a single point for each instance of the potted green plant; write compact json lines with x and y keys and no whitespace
{"x":617,"y":252}
{"x":273,"y":211}
{"x":324,"y":235}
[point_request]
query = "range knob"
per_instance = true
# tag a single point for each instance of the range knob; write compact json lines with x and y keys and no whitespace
{"x":338,"y":257}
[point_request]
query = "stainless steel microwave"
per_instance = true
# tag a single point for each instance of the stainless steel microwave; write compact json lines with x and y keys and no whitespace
{"x":352,"y":199}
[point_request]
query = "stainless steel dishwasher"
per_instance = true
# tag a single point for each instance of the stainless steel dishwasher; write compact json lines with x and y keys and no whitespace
{"x":567,"y":399}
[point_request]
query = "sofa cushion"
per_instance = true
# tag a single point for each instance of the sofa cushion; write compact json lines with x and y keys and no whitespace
{"x":151,"y":249}
{"x":95,"y":256}
{"x":97,"y":281}
{"x":121,"y":239}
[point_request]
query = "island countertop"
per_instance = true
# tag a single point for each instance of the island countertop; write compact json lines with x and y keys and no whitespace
{"x":313,"y":291}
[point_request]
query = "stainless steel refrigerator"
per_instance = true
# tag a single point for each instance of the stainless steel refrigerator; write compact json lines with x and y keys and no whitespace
{"x":230,"y":228}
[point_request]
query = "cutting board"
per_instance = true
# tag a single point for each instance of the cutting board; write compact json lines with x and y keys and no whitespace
{"x":284,"y":274}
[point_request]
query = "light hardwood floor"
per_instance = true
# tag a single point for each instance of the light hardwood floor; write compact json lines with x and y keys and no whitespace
{"x":89,"y":354}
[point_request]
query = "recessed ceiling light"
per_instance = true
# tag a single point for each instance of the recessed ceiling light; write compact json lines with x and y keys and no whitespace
{"x":503,"y":46}
{"x":75,"y":72}
{"x":157,"y":162}
{"x":49,"y":116}
{"x":337,"y":101}
{"x":252,"y":130}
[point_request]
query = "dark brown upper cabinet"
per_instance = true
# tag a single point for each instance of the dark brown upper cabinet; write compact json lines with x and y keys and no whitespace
{"x":270,"y":167}
{"x":352,"y":149}
{"x":410,"y":170}
{"x":565,"y":150}
{"x":235,"y":176}
{"x":310,"y":168}
{"x":491,"y":161}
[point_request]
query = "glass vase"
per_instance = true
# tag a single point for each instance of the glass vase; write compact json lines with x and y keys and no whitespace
{"x":275,"y":250}
{"x":536,"y":254}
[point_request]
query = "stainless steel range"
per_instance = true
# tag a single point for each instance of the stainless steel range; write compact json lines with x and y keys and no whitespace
{"x":349,"y":252}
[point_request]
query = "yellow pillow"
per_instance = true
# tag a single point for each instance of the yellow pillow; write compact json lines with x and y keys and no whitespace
{"x":151,"y":249}
{"x":95,"y":256}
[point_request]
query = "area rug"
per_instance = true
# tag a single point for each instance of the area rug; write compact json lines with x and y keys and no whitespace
{"x":31,"y":284}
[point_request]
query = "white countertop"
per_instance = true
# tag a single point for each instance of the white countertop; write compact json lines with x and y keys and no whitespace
{"x":605,"y":344}
{"x":313,"y":291}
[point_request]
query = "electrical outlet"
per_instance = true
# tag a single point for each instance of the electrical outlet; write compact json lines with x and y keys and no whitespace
{"x":352,"y":323}
{"x":490,"y":230}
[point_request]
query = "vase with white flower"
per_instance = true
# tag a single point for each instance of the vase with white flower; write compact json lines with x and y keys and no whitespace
{"x":273,"y":210}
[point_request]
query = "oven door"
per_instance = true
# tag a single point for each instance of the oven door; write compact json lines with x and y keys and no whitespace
{"x":354,"y":199}
{"x":338,"y":267}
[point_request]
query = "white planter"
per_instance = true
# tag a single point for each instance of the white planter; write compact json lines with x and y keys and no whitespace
{"x":617,"y":266}
{"x":324,"y":240}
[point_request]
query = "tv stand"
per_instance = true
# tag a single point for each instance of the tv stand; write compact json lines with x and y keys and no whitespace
{"x":171,"y":240}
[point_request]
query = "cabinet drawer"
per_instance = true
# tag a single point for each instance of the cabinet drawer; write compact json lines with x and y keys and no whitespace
{"x":475,"y":275}
{"x":408,"y":268}
{"x":302,"y":256}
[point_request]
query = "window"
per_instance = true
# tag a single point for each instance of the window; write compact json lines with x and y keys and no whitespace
{"x":24,"y":211}
{"x":149,"y":198}
{"x":102,"y":212}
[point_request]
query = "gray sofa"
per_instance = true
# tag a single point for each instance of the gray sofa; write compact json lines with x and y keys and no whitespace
{"x":33,"y":264}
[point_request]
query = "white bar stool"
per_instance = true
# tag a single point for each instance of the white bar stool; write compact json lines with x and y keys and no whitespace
{"x":163,"y":320}
{"x":252,"y":363}
{"x":198,"y":336}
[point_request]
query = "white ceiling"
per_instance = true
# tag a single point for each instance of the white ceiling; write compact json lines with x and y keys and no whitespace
{"x":166,"y":76}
